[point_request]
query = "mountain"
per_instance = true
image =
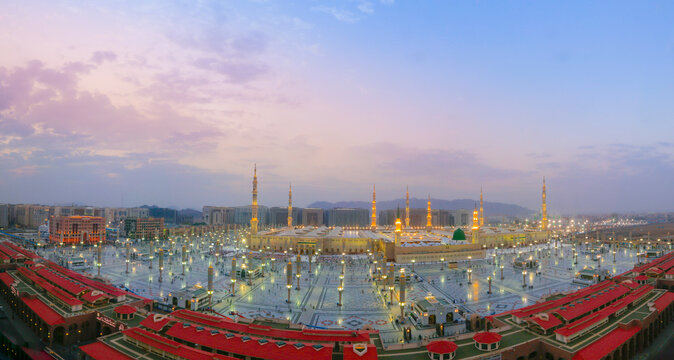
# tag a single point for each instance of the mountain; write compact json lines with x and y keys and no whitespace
{"x":490,"y":208}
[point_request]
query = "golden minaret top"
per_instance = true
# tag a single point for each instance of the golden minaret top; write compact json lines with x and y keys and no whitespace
{"x":429,"y":216}
{"x":374,"y":208}
{"x":476,"y":220}
{"x":290,"y":206}
{"x":253,"y":219}
{"x":544,"y":209}
{"x":481,"y":209}
{"x":407,"y":207}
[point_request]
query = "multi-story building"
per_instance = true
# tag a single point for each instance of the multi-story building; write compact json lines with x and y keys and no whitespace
{"x":4,"y":215}
{"x":218,"y":215}
{"x":144,"y":228}
{"x":76,"y":229}
{"x":348,"y":217}
{"x":312,"y":217}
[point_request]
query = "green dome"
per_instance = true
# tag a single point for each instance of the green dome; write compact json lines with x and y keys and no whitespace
{"x":459,"y":235}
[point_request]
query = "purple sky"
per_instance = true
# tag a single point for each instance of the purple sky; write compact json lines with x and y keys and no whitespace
{"x":171,"y":103}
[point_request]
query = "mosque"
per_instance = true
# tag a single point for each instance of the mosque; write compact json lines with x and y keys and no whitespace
{"x":402,"y":244}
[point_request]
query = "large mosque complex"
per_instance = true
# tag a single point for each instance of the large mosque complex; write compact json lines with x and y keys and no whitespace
{"x":401,"y":244}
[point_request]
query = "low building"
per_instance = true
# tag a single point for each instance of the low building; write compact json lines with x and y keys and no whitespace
{"x":431,"y":310}
{"x":144,"y":228}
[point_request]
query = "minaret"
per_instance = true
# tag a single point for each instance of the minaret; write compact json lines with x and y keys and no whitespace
{"x":407,"y":208}
{"x":290,"y":207}
{"x":374,"y":208}
{"x":544,"y":210}
{"x":429,"y":216}
{"x":398,"y":229}
{"x":476,"y":226}
{"x":481,"y":209}
{"x":253,"y":219}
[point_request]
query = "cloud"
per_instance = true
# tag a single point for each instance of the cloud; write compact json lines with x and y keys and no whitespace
{"x":366,"y":7}
{"x":100,"y":57}
{"x":234,"y":71}
{"x":339,"y":14}
{"x":387,"y":2}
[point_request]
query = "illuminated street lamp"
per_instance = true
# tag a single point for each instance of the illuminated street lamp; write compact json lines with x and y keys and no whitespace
{"x":501,"y":272}
{"x":442,"y":263}
{"x":470,"y":273}
{"x":413,"y":261}
{"x":524,"y":279}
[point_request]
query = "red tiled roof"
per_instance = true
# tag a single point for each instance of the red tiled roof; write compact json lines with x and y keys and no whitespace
{"x":66,"y":284}
{"x":487,"y":337}
{"x":35,"y":354}
{"x":606,"y":344}
{"x":25,"y":252}
{"x":101,"y":351}
{"x":654,"y":270}
{"x":93,"y":296}
{"x":249,"y":346}
{"x":549,"y":305}
{"x":663,"y":301}
{"x":53,"y":290}
{"x":170,"y":346}
{"x":641,"y":278}
{"x":670,"y":272}
{"x":125,"y":309}
{"x":551,"y":321}
{"x":369,"y":354}
{"x":11,"y":252}
{"x":602,"y":314}
{"x":441,"y":347}
{"x":7,"y":279}
{"x":314,"y":335}
{"x":592,"y":302}
{"x":47,"y":314}
{"x":156,"y":322}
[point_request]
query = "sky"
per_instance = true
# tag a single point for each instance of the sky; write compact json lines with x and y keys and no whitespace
{"x":124,"y":103}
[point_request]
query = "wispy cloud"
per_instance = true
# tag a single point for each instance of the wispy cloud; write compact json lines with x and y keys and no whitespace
{"x":342,"y":15}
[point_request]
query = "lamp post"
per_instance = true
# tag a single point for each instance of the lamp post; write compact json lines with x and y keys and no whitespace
{"x":613,"y":255}
{"x":161,"y":264}
{"x":340,"y":288}
{"x":489,"y":279}
{"x":128,"y":254}
{"x":524,"y":279}
{"x":210,"y":285}
{"x":469,"y":257}
{"x":470,"y":273}
{"x":289,"y":278}
{"x":232,"y":275}
{"x":442,"y":263}
{"x":413,"y":261}
{"x":184,"y":259}
{"x":100,"y":257}
{"x":151,"y":255}
{"x":402,"y":295}
{"x":501,"y":272}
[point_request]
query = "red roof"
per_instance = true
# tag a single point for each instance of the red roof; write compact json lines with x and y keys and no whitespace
{"x":545,"y":324}
{"x":125,"y":309}
{"x":27,"y":253}
{"x":172,"y":347}
{"x":441,"y":347}
{"x":7,"y":279}
{"x":245,"y":345}
{"x":654,"y":270}
{"x":606,"y":344}
{"x":487,"y":337}
{"x":93,"y":296}
{"x":641,"y":278}
{"x":602,"y":314}
{"x":368,"y":352}
{"x":101,"y":351}
{"x":548,"y":305}
{"x":313,"y":335}
{"x":663,"y":301}
{"x":591,"y":302}
{"x":66,"y":284}
{"x":156,"y":322}
{"x":47,"y":314}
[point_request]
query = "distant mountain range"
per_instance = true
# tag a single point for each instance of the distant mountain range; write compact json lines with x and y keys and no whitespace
{"x":490,"y":208}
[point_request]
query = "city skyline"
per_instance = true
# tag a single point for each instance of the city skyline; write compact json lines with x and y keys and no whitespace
{"x":171,"y":104}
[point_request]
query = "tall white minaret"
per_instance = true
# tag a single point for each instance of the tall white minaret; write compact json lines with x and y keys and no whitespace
{"x":481,"y":209}
{"x":374,"y":208}
{"x":544,"y":210}
{"x":290,"y":206}
{"x":253,"y":219}
{"x":407,"y":207}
